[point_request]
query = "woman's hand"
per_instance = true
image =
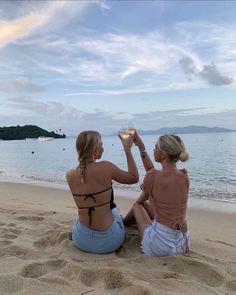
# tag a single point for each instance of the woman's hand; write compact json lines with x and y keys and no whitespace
{"x":138,"y":141}
{"x":126,"y":142}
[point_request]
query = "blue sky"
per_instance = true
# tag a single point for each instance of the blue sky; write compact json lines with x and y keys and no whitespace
{"x":79,"y":65}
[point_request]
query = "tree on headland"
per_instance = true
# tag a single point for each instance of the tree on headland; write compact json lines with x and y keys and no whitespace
{"x":27,"y":131}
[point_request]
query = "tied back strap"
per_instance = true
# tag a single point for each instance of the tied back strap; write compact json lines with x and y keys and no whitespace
{"x":186,"y":250}
{"x":90,"y":209}
{"x":89,"y":196}
{"x":112,"y":203}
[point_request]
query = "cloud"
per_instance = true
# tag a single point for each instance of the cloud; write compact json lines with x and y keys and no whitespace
{"x":22,"y":85}
{"x":210,"y":73}
{"x":187,"y":65}
{"x":36,"y":15}
{"x":12,"y":30}
{"x":49,"y":109}
{"x":51,"y":114}
{"x":213,"y":76}
{"x":149,"y":60}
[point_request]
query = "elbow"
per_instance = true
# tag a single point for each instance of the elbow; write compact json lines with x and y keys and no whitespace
{"x":135,"y":179}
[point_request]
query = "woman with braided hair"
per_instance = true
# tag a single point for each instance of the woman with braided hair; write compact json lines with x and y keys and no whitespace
{"x":99,"y":227}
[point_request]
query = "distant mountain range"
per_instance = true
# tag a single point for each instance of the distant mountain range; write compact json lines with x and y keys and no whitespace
{"x":184,"y":130}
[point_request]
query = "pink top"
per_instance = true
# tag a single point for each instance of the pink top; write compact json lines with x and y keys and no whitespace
{"x":169,"y":213}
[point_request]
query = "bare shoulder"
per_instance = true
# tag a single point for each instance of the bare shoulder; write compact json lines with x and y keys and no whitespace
{"x":106,"y":164}
{"x":184,"y":171}
{"x":70,"y":173}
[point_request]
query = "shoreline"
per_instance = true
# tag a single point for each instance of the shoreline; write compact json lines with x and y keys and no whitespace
{"x":36,"y":253}
{"x":132,"y":195}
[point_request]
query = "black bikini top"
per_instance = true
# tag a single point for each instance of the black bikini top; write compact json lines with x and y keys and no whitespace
{"x":91,"y":208}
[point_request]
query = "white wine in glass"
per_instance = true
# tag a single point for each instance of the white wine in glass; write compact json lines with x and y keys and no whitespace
{"x":124,"y":133}
{"x":131,"y":128}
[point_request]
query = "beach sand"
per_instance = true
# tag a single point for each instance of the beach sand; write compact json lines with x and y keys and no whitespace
{"x":37,"y":257}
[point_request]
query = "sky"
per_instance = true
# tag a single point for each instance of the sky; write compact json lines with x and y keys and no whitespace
{"x":100,"y":65}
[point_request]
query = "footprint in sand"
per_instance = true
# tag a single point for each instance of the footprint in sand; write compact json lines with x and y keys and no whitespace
{"x":231,"y":286}
{"x":15,"y":231}
{"x":5,"y":243}
{"x":13,"y":251}
{"x":30,"y":218}
{"x":11,"y":224}
{"x":2,"y":223}
{"x":3,"y":230}
{"x":10,"y":284}
{"x":9,"y":236}
{"x":36,"y":270}
{"x":201,"y":271}
{"x":231,"y":268}
{"x":89,"y":277}
{"x":51,"y":240}
{"x":114,"y":279}
{"x":170,"y":275}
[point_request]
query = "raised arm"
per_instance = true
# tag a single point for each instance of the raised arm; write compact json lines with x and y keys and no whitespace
{"x":131,"y":176}
{"x":147,"y":162}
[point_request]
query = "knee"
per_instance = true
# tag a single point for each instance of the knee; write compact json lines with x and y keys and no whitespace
{"x":136,"y":205}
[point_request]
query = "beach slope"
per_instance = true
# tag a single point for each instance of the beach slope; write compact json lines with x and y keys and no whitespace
{"x":37,"y":256}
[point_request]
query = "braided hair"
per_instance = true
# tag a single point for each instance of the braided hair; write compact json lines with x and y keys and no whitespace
{"x":85,"y":144}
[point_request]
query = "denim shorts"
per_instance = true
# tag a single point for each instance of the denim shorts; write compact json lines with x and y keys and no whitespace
{"x":100,"y":242}
{"x":161,"y":240}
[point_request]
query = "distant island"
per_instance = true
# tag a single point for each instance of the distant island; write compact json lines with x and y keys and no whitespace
{"x":27,"y":131}
{"x":184,"y":130}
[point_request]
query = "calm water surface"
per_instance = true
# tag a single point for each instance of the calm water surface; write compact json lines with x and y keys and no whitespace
{"x":212,"y":164}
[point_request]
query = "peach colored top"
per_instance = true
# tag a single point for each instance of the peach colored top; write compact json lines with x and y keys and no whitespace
{"x":167,"y":213}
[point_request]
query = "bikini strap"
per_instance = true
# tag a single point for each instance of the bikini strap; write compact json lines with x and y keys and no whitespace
{"x":186,"y":250}
{"x":89,"y":195}
{"x":91,"y":209}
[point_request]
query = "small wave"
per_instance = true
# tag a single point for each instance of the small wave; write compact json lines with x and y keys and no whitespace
{"x":209,"y":192}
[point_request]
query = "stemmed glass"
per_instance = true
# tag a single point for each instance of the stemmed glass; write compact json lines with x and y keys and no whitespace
{"x":124,"y":132}
{"x":131,"y":128}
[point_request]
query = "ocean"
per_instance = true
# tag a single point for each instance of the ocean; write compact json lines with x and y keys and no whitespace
{"x":212,"y":163}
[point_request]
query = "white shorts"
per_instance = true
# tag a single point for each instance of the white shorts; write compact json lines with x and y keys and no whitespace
{"x":161,"y":240}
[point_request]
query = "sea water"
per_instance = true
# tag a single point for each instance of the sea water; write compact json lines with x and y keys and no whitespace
{"x":211,"y":167}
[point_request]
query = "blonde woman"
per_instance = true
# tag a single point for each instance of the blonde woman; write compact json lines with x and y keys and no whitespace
{"x":99,"y":227}
{"x":160,"y":211}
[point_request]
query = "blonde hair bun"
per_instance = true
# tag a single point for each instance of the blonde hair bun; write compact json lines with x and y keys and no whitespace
{"x":173,"y":146}
{"x":183,"y":156}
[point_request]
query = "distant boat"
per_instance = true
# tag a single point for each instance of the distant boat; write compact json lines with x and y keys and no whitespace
{"x":44,"y":138}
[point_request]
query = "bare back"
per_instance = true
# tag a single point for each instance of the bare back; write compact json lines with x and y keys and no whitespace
{"x":97,"y":179}
{"x":169,"y":195}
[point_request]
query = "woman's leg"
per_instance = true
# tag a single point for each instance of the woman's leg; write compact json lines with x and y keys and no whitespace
{"x":142,"y":218}
{"x":149,"y":209}
{"x":129,"y":219}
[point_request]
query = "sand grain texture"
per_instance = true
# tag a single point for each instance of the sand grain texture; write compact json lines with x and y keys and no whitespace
{"x":37,"y":256}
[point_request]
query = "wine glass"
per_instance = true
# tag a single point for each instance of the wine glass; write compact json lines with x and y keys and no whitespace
{"x":124,"y":132}
{"x":131,"y":128}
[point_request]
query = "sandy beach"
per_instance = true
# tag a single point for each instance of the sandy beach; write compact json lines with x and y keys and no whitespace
{"x":37,"y":257}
